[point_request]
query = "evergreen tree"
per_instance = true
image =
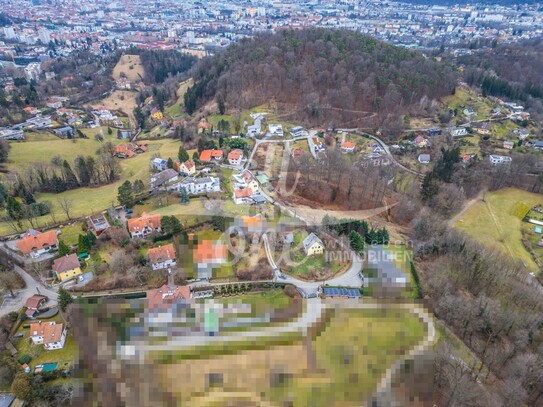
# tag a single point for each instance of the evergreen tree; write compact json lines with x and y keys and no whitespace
{"x":356,"y":241}
{"x":220,"y":103}
{"x":64,"y":299}
{"x":170,"y":225}
{"x":170,"y":163}
{"x":3,"y":195}
{"x":184,"y":198}
{"x":138,"y":186}
{"x":69,"y":176}
{"x":196,"y":157}
{"x":182,"y":155}
{"x":125,"y":194}
{"x":109,"y":131}
{"x":63,"y":249}
{"x":14,"y":208}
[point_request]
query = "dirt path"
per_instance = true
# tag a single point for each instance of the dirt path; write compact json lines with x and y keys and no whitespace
{"x":468,"y":205}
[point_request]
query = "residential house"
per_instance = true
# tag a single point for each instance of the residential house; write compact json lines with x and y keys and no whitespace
{"x":458,"y":131}
{"x":165,"y":297}
{"x":499,"y":159}
{"x":67,"y":267}
{"x":298,"y":131}
{"x":297,"y":153}
{"x":156,"y":114}
{"x":235,"y":157}
{"x":159,"y":164}
{"x":162,"y":257}
{"x":420,"y":142}
{"x":208,"y":255}
{"x":508,"y":145}
{"x":51,"y":334}
{"x":424,"y":158}
{"x":53,"y":103}
{"x":347,"y":147}
{"x":186,"y":168}
{"x":97,"y":224}
{"x":34,"y":243}
{"x":66,"y":131}
{"x":33,"y":304}
{"x":195,"y":186}
{"x":164,"y":179}
{"x":522,"y":134}
{"x":207,"y":156}
{"x":38,"y":122}
{"x":275,"y":130}
{"x":482,"y":129}
{"x":315,"y":145}
{"x":313,"y":245}
{"x":12,"y":134}
{"x":129,"y":150}
{"x":243,"y":196}
{"x":538,"y":145}
{"x":203,"y":125}
{"x":246,"y":179}
{"x":144,"y":226}
{"x":256,"y":128}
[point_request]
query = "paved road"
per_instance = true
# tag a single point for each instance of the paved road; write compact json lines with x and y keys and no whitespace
{"x":32,"y":287}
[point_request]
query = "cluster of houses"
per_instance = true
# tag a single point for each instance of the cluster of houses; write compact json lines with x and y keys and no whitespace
{"x":247,"y":189}
{"x":15,"y":132}
{"x":129,"y":150}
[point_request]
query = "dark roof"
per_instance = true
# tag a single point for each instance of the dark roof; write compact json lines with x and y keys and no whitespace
{"x":341,"y":292}
{"x":6,"y":400}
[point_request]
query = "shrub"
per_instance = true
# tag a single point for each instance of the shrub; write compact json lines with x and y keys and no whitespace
{"x":24,"y":358}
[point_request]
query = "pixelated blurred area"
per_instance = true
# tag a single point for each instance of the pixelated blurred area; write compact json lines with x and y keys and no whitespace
{"x":260,"y":349}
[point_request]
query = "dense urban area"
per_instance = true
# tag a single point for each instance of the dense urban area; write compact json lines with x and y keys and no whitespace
{"x":266,"y":203}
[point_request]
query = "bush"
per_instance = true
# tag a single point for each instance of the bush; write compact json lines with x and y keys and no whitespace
{"x":24,"y":358}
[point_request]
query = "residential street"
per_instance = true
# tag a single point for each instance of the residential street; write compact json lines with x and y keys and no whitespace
{"x":32,"y":287}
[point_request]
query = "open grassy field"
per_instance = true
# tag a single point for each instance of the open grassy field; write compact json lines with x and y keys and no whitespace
{"x":327,"y":370}
{"x":497,"y":221}
{"x":85,"y":201}
{"x":131,"y":66}
{"x":183,"y":86}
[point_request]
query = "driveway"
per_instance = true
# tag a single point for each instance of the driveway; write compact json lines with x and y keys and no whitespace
{"x":32,"y":287}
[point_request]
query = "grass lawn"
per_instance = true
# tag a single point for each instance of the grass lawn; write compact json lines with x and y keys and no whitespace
{"x":85,"y":201}
{"x":351,"y":364}
{"x":497,"y":222}
{"x":261,"y":302}
{"x":174,"y":110}
{"x":460,"y":98}
{"x":70,"y":234}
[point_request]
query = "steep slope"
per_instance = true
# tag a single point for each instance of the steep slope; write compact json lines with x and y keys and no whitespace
{"x":326,"y":77}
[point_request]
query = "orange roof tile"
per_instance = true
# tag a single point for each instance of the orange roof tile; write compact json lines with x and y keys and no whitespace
{"x":208,"y":251}
{"x":161,"y":254}
{"x":51,"y":331}
{"x":243,"y":192}
{"x":166,"y":295}
{"x":137,"y":224}
{"x":235,"y":154}
{"x":347,"y":144}
{"x":207,"y":155}
{"x":35,"y":240}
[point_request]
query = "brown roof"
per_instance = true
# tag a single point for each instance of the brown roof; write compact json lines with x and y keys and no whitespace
{"x":35,"y":240}
{"x":51,"y":331}
{"x":66,"y":263}
{"x":137,"y":224}
{"x":161,"y":254}
{"x":209,"y":251}
{"x":35,"y":301}
{"x":166,"y":295}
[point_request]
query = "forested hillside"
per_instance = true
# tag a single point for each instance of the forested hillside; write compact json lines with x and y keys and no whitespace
{"x":323,"y":77}
{"x":512,"y":71}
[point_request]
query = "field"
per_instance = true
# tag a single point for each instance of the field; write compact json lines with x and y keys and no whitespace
{"x":131,"y":66}
{"x":123,"y":100}
{"x":86,"y":200}
{"x":497,"y":222}
{"x":183,"y":86}
{"x":328,"y":370}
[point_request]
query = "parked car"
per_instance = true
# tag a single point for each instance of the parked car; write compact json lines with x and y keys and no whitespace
{"x":128,"y":211}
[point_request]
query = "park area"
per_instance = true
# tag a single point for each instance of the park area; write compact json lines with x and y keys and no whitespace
{"x":496,"y":221}
{"x":327,"y":371}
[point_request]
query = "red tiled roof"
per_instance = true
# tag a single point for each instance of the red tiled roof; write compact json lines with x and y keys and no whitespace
{"x":243,"y":193}
{"x":207,"y":155}
{"x":209,"y":251}
{"x":35,"y":240}
{"x":347,"y":144}
{"x":51,"y":331}
{"x":166,"y":295}
{"x":66,"y":263}
{"x":137,"y":224}
{"x":161,"y":254}
{"x":235,"y":154}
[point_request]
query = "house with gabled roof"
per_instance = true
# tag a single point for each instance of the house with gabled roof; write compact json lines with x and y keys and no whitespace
{"x":235,"y":157}
{"x":51,"y":334}
{"x":208,"y":255}
{"x":67,"y":267}
{"x":162,"y":299}
{"x":35,"y":243}
{"x":162,"y":257}
{"x":33,"y":304}
{"x":313,"y":245}
{"x":144,"y":226}
{"x":207,"y":156}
